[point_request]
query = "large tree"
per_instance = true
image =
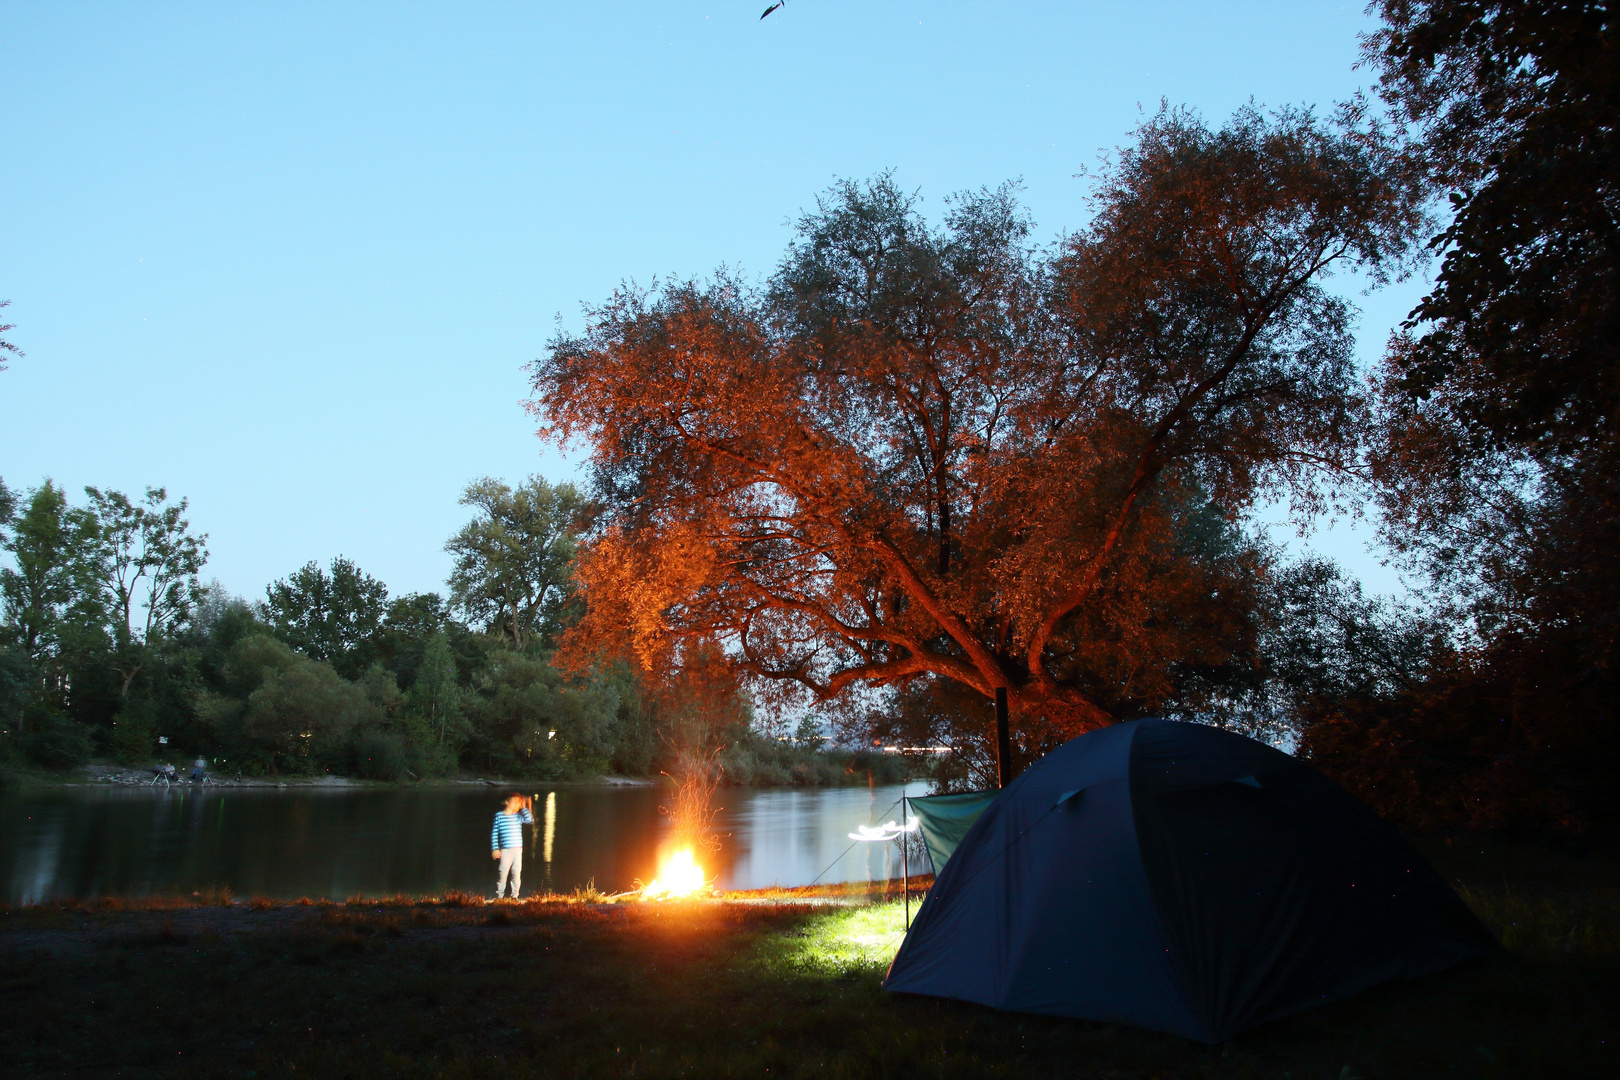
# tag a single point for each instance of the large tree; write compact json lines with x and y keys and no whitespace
{"x":138,"y":563}
{"x":435,"y":694}
{"x":40,"y":586}
{"x":334,"y":616}
{"x":412,"y":622}
{"x":1502,"y":401}
{"x":937,"y":451}
{"x":1515,"y":105}
{"x":298,"y":710}
{"x":514,"y":561}
{"x":143,"y":559}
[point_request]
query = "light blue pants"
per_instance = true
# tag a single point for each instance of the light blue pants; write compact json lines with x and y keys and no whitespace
{"x":511,"y":866}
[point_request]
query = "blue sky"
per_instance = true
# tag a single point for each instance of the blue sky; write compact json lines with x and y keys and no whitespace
{"x":289,"y":260}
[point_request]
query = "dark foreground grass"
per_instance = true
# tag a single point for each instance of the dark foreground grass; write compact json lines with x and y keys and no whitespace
{"x":454,"y":988}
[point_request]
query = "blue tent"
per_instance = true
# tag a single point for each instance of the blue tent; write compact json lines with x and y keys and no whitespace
{"x":1182,"y":878}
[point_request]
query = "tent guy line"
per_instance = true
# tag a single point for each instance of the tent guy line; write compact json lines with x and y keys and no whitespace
{"x":847,"y":850}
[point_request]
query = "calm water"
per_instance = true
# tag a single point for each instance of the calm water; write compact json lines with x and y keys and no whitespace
{"x":89,"y":842}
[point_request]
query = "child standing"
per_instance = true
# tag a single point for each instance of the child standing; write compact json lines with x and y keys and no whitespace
{"x":506,"y":842}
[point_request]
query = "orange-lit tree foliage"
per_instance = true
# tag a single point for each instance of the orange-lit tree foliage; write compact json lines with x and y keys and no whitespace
{"x":943,"y":452}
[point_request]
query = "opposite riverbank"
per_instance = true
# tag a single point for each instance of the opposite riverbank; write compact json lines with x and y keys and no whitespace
{"x":834,"y":772}
{"x":784,"y":983}
{"x":101,"y":775}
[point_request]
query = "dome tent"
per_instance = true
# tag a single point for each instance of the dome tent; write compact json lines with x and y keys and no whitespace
{"x":1178,"y":877}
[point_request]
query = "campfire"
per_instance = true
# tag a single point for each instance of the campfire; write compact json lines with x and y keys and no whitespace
{"x":696,"y":771}
{"x":679,"y":875}
{"x":692,"y":815}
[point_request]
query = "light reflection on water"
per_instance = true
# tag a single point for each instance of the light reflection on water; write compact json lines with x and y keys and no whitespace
{"x":285,"y":843}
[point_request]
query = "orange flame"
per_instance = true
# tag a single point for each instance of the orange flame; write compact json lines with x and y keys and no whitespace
{"x":678,"y":875}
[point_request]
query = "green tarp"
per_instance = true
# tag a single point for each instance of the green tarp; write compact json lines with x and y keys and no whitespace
{"x":944,"y":819}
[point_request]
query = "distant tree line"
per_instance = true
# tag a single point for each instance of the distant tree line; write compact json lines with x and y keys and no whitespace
{"x":111,"y":643}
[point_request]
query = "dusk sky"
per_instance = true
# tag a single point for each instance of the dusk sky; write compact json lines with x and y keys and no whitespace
{"x":289,"y":261}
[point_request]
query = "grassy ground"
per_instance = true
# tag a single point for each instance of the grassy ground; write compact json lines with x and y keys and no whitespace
{"x":756,"y":986}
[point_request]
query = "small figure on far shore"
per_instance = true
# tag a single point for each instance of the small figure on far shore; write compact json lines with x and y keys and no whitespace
{"x":164,"y":773}
{"x":506,"y":842}
{"x":199,"y":768}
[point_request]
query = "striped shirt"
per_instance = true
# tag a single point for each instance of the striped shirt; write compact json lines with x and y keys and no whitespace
{"x":508,"y":830}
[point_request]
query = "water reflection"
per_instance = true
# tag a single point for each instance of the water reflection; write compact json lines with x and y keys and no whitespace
{"x":286,"y":843}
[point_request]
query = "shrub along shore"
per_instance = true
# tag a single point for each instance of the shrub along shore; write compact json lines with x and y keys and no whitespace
{"x":760,"y":984}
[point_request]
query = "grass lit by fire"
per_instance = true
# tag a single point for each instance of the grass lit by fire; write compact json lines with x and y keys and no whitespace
{"x":838,"y":942}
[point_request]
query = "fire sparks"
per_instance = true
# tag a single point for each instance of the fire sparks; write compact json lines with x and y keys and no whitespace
{"x":678,"y":875}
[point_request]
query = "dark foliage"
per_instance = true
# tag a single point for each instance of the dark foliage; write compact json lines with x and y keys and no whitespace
{"x":1516,"y":102}
{"x":380,"y":756}
{"x":1380,"y":697}
{"x":56,"y":742}
{"x":1498,"y":448}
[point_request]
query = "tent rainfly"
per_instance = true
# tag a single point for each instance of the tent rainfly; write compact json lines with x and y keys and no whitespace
{"x":1177,"y":877}
{"x":943,"y":820}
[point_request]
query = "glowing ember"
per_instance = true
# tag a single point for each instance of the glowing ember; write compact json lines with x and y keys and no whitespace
{"x":678,"y":875}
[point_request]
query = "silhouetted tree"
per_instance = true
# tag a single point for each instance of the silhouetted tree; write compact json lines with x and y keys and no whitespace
{"x":1498,"y":446}
{"x":139,"y":565}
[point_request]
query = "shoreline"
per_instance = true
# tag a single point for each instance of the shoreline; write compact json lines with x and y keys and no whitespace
{"x":98,"y":776}
{"x":101,"y":777}
{"x":224,"y":902}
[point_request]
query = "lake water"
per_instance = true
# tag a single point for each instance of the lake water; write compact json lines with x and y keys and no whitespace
{"x":337,"y":843}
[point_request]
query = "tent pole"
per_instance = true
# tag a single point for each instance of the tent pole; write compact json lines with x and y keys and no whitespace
{"x":1004,"y":773}
{"x":905,"y":865}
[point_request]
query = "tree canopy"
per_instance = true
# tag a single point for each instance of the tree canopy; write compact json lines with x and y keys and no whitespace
{"x":1498,"y":449}
{"x":141,"y":560}
{"x":1515,"y":103}
{"x":328,"y":616}
{"x":940,"y":451}
{"x":513,"y":565}
{"x":39,"y":587}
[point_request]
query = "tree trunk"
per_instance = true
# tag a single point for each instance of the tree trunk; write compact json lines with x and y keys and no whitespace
{"x":1004,"y":769}
{"x":128,"y":677}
